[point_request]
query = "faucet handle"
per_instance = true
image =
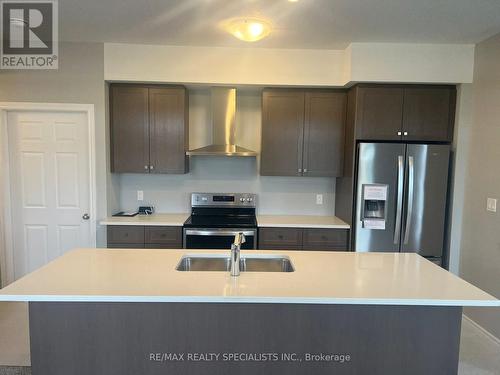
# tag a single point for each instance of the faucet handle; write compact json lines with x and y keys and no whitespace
{"x":239,"y":238}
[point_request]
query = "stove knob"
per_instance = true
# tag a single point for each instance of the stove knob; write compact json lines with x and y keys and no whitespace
{"x":249,"y":199}
{"x":242,"y":199}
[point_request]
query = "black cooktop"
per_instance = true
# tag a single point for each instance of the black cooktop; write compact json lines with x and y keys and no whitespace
{"x":222,"y":218}
{"x":220,"y":221}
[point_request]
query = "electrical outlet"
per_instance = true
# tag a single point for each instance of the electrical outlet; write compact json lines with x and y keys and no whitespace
{"x":491,"y":204}
{"x":140,"y":195}
{"x":319,"y":198}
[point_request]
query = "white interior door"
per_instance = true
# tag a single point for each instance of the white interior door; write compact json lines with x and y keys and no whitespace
{"x":50,"y":186}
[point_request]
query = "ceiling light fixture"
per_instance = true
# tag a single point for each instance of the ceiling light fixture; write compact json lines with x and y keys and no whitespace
{"x":248,"y":29}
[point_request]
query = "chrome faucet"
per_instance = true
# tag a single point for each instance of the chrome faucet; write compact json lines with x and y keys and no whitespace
{"x":239,"y":238}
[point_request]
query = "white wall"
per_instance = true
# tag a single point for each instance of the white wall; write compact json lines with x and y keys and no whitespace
{"x":421,"y":63}
{"x":277,"y":195}
{"x":460,"y":150}
{"x":360,"y":62}
{"x":480,"y":245}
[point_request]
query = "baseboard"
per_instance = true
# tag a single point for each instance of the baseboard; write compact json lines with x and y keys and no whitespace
{"x":15,"y":370}
{"x":482,"y":329}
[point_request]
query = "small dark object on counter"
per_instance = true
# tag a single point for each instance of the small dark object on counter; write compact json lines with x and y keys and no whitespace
{"x":126,"y":214}
{"x":146,"y":210}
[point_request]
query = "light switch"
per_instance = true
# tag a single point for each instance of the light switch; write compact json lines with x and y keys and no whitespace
{"x":319,"y":198}
{"x":140,"y":195}
{"x":491,"y":204}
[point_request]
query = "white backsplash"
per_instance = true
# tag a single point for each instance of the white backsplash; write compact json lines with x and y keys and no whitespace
{"x":276,"y":195}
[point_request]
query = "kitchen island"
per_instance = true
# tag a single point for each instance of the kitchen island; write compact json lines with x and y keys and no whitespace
{"x":131,"y":312}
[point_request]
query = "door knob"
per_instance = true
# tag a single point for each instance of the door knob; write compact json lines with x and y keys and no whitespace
{"x":86,"y":216}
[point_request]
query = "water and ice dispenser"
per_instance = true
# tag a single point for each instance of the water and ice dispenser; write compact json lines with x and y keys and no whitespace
{"x":374,"y":206}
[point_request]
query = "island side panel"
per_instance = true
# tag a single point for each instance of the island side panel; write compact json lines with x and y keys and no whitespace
{"x":157,"y":338}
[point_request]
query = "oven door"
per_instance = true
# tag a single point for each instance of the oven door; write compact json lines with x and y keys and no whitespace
{"x":217,"y":238}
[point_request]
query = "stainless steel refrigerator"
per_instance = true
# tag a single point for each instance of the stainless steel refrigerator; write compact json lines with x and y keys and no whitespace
{"x":401,"y":195}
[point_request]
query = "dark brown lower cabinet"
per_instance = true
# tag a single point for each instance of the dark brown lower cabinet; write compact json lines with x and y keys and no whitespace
{"x":125,"y":234}
{"x":125,"y":245}
{"x":325,"y":239}
{"x":280,"y":238}
{"x":149,"y":237}
{"x":163,"y":237}
{"x":318,"y":239}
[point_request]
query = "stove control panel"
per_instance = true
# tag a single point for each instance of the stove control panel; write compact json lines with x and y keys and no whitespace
{"x":223,"y":200}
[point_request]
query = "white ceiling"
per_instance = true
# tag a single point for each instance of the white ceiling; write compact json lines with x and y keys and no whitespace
{"x":321,"y":24}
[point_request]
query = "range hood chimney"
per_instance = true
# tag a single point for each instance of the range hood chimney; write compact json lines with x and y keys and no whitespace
{"x":223,"y":113}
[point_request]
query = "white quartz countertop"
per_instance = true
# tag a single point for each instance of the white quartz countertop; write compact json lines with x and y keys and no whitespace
{"x":288,"y":221}
{"x":175,"y":220}
{"x":301,"y":221}
{"x":149,"y":275}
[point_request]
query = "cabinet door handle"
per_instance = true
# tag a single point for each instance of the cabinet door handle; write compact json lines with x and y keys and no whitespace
{"x":399,"y":133}
{"x":300,"y":170}
{"x":305,"y":170}
{"x":146,"y":167}
{"x":151,"y":167}
{"x":405,"y":133}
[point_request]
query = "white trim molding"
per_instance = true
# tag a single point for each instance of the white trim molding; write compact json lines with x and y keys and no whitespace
{"x":6,"y":250}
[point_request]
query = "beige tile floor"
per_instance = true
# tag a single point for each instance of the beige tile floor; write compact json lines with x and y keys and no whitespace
{"x":479,"y":353}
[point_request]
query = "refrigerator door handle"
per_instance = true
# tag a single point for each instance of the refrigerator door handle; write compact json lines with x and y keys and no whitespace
{"x":399,"y":208}
{"x":411,"y":177}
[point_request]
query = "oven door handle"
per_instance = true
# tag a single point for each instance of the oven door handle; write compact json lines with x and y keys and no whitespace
{"x":211,"y":232}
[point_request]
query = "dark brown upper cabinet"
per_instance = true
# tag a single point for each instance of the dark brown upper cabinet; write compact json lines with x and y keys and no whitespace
{"x":282,"y":133}
{"x":324,"y":133}
{"x":129,"y":117}
{"x":429,"y":114}
{"x":149,"y":129}
{"x":169,"y":130}
{"x":404,"y":113}
{"x":302,"y":132}
{"x":379,"y":111}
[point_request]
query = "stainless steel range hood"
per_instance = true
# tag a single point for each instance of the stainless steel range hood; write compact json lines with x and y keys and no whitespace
{"x":223,"y":111}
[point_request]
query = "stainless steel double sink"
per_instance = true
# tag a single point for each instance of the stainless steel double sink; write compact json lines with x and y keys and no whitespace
{"x":248,"y":263}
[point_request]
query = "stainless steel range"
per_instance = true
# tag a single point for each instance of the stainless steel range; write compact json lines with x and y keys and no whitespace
{"x":217,"y":217}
